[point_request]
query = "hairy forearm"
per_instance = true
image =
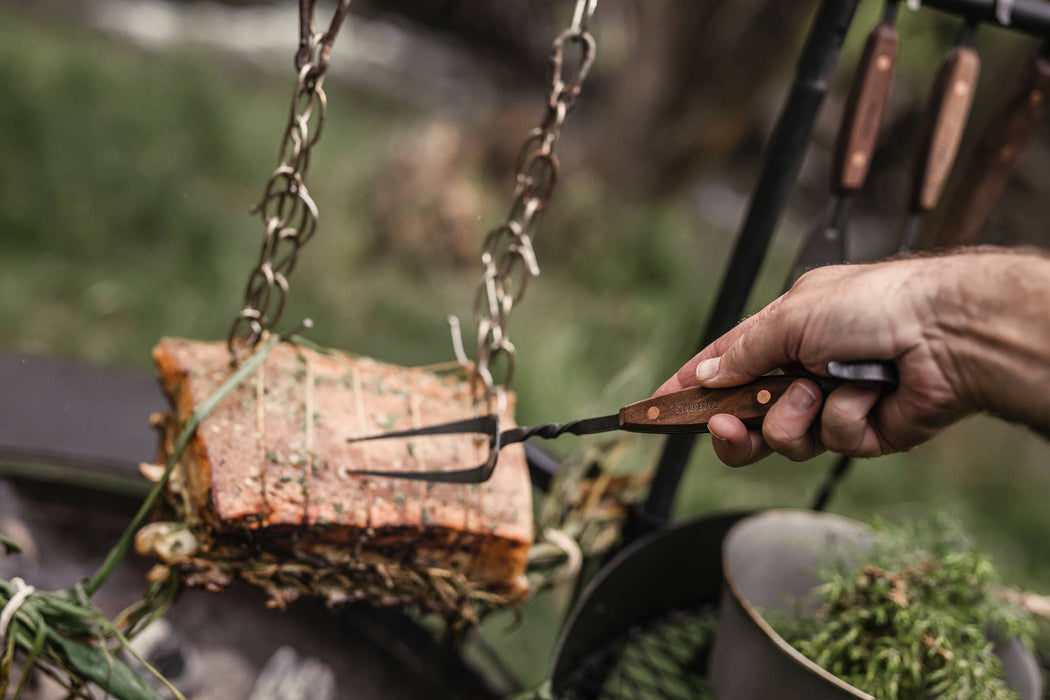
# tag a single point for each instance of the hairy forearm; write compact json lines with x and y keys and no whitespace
{"x":991,"y":309}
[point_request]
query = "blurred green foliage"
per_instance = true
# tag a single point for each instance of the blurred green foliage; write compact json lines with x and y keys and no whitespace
{"x":126,"y":177}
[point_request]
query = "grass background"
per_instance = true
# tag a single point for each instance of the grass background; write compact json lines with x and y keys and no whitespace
{"x":125,"y":181}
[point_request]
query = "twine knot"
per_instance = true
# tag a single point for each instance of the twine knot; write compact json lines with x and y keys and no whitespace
{"x":571,"y":548}
{"x":22,"y":592}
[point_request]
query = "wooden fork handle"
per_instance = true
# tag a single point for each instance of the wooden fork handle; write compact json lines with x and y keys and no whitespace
{"x":689,"y":410}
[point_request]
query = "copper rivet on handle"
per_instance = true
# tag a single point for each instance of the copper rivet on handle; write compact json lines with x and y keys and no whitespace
{"x":883,"y":63}
{"x":961,"y":87}
{"x":653,"y":413}
{"x":764,"y":396}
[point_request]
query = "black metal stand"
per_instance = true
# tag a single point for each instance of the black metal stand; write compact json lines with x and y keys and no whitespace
{"x":779,"y":173}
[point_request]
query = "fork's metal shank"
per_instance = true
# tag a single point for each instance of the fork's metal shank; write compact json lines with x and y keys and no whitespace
{"x":486,"y":425}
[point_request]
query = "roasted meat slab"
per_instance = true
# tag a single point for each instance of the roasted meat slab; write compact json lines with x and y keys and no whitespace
{"x":263,"y":492}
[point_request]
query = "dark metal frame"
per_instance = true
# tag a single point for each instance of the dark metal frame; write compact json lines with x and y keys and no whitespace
{"x":783,"y":158}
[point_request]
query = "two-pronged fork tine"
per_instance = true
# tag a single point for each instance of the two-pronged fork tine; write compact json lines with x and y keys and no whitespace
{"x":485,"y":425}
{"x":482,"y":425}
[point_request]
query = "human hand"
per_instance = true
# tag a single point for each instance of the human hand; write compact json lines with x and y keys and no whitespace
{"x":885,"y":311}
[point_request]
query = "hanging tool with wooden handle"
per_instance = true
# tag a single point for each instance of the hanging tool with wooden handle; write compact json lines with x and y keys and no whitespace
{"x":684,"y":411}
{"x":858,"y":133}
{"x":947,"y":114}
{"x":1004,"y":141}
{"x":946,"y":120}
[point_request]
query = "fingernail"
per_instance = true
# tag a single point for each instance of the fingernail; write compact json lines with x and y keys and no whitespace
{"x":715,"y":435}
{"x":707,"y":369}
{"x":802,"y":398}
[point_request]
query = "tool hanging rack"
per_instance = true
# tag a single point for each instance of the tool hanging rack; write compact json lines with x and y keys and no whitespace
{"x":782,"y":162}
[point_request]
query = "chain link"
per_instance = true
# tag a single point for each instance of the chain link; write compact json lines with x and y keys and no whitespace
{"x":507,"y":255}
{"x":288,"y":212}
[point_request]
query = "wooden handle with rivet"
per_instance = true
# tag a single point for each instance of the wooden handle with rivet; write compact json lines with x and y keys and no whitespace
{"x":689,"y":410}
{"x":864,"y":109}
{"x":1005,"y":139}
{"x":947,"y":114}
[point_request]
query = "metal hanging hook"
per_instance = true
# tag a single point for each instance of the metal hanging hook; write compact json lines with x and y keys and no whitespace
{"x":1004,"y":10}
{"x":581,"y":18}
{"x":457,"y":341}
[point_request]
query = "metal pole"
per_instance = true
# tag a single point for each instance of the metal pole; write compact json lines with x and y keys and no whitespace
{"x":782,"y":162}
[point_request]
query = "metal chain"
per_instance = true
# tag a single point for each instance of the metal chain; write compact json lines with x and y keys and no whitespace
{"x":288,"y":212}
{"x":506,"y":254}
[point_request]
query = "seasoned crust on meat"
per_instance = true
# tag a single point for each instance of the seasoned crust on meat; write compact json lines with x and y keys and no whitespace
{"x":264,"y":480}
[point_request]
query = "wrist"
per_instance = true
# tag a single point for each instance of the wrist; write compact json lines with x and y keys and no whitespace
{"x":991,"y":329}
